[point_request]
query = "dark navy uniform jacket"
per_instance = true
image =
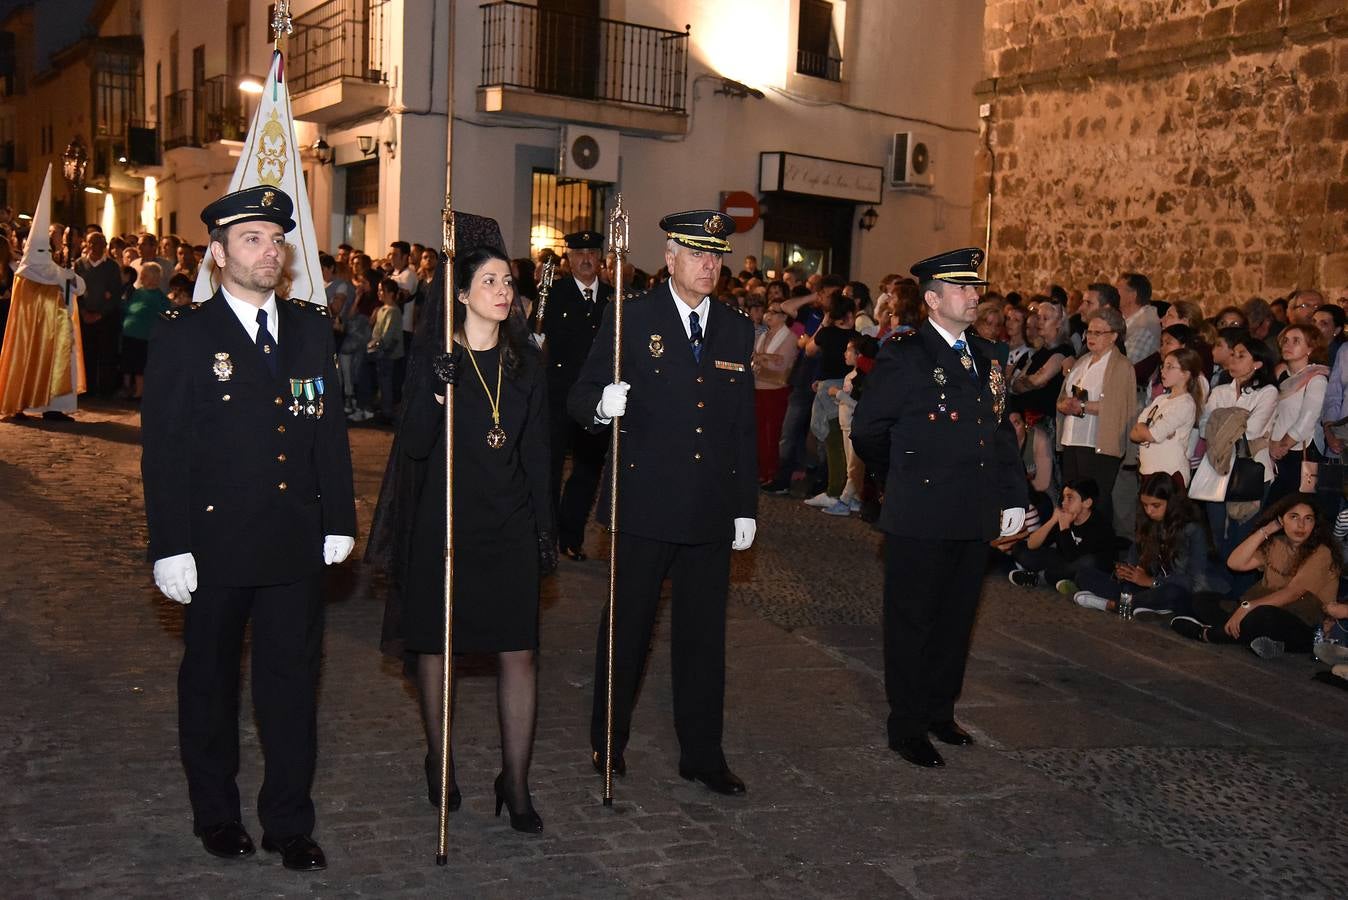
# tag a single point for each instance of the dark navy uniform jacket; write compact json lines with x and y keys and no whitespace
{"x":237,"y":471}
{"x":688,"y":466}
{"x":952,"y":460}
{"x":570,"y":325}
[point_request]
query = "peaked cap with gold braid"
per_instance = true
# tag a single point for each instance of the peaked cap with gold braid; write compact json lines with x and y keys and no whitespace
{"x":699,"y":229}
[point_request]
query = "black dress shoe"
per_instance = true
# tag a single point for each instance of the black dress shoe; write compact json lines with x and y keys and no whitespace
{"x":300,"y":852}
{"x":619,"y":764}
{"x":918,"y":751}
{"x":722,"y":780}
{"x":227,"y":840}
{"x":526,"y":820}
{"x":577,"y":553}
{"x":950,"y":733}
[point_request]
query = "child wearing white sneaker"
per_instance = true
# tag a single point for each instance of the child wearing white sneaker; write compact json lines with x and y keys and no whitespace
{"x":1171,"y":557}
{"x":1073,"y":538}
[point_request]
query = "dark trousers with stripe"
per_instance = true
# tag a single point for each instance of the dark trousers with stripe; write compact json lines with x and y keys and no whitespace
{"x":287,"y":638}
{"x":931,"y":595}
{"x":700,"y":579}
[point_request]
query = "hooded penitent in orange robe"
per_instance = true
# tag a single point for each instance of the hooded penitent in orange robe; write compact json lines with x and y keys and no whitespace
{"x":41,"y":360}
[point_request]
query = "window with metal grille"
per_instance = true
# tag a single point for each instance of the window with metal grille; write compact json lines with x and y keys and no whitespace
{"x":561,"y":206}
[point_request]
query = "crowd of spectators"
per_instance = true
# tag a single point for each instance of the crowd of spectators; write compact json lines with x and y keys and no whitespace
{"x":1181,"y":466}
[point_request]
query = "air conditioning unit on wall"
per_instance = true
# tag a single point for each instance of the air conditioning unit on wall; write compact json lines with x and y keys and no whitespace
{"x":911,"y":162}
{"x":588,"y":153}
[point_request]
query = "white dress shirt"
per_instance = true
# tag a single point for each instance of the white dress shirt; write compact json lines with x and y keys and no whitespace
{"x":702,"y":309}
{"x":950,"y":340}
{"x":247,"y":315}
{"x":592,"y":287}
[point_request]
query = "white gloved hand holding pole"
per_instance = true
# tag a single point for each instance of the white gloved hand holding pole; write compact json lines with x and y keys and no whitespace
{"x":176,"y":577}
{"x":613,"y":403}
{"x":336,"y":548}
{"x":745,"y":529}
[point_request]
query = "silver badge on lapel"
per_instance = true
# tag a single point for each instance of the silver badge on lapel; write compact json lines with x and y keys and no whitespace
{"x":223,"y":367}
{"x":938,"y":375}
{"x":657,"y":346}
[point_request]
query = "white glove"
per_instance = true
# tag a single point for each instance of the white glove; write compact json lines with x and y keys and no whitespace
{"x":336,"y":548}
{"x":1013,"y":520}
{"x":745,"y":529}
{"x":176,"y":577}
{"x":538,"y":339}
{"x":613,"y":403}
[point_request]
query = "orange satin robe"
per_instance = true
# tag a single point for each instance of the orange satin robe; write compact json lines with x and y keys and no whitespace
{"x":40,"y":336}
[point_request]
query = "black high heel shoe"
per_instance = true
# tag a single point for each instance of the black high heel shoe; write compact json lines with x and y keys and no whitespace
{"x":528,"y":821}
{"x":433,"y":788}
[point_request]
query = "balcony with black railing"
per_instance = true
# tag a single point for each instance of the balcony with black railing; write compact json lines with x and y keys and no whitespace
{"x":557,"y":65}
{"x":219,"y":110}
{"x":336,"y":62}
{"x":818,"y":65}
{"x":179,"y":126}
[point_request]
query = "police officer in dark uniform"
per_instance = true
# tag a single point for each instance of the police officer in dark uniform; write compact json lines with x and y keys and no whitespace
{"x":248,"y":494}
{"x":575,"y":309}
{"x":687,"y":491}
{"x":933,"y":415}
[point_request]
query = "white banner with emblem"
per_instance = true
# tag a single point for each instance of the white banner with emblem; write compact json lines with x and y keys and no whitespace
{"x":271,"y":156}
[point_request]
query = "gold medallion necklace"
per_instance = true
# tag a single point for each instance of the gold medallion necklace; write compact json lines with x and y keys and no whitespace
{"x":496,"y":436}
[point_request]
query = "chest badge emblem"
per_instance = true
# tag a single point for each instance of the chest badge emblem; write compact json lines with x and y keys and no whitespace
{"x":938,"y":376}
{"x":223,"y":367}
{"x":657,"y":346}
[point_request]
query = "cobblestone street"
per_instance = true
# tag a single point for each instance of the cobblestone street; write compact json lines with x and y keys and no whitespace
{"x":1114,"y":759}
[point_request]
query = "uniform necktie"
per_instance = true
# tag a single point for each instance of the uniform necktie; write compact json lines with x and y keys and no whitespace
{"x":966,"y":360}
{"x":265,"y":345}
{"x":695,"y":336}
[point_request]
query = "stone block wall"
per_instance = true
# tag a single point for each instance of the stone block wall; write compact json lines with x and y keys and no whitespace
{"x":1203,"y":142}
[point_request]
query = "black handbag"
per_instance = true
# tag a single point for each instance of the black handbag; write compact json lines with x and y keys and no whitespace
{"x":1246,"y":484}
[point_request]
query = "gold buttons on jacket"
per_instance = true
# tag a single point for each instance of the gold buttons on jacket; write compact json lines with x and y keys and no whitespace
{"x":210,"y":507}
{"x":700,"y":379}
{"x":226,"y":397}
{"x":700,"y":404}
{"x":698,"y":429}
{"x":280,"y":429}
{"x":281,"y":457}
{"x":277,"y":401}
{"x":697,"y":456}
{"x":281,"y":486}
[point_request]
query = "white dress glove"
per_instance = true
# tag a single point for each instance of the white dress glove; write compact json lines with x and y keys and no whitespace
{"x":336,"y":548}
{"x":176,"y":577}
{"x":745,"y":529}
{"x":1013,"y":520}
{"x":613,"y":403}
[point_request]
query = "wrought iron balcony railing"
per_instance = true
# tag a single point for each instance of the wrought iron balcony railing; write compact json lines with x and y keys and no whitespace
{"x":178,"y":125}
{"x":819,"y":65}
{"x":219,"y":110}
{"x":580,"y":56}
{"x":335,"y":40}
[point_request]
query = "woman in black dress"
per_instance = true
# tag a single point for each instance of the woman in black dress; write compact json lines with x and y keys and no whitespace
{"x":503,"y":519}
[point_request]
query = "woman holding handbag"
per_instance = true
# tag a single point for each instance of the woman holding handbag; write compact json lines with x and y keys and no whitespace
{"x":1235,"y":424}
{"x":1301,"y":395}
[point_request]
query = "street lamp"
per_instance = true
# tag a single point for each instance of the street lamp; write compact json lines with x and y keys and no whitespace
{"x":868,"y":219}
{"x":322,"y":152}
{"x":74,"y":162}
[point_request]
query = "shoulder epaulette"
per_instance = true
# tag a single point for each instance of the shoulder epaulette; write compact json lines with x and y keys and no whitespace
{"x":311,"y":307}
{"x":899,"y":336}
{"x":175,"y":312}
